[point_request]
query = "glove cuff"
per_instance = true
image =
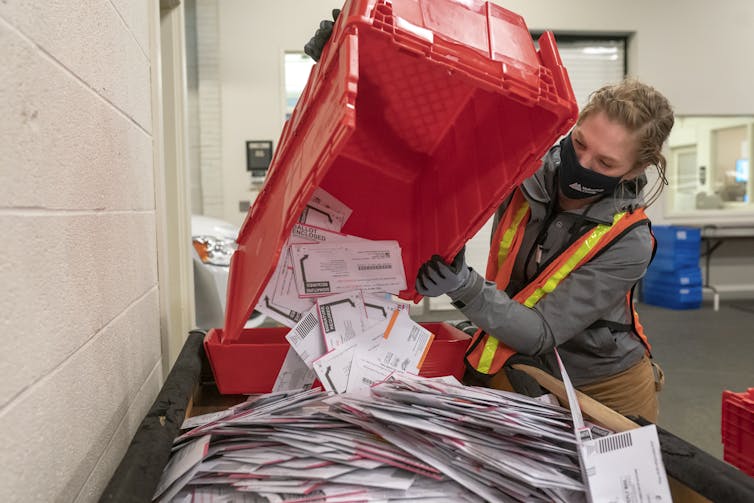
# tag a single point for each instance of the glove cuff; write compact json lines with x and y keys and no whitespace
{"x":470,"y":288}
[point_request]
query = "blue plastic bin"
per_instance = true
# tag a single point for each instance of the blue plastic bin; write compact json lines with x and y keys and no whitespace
{"x":672,"y":297}
{"x":684,"y":277}
{"x":677,"y":247}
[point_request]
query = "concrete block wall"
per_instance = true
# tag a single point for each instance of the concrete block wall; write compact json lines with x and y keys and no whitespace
{"x":209,"y":103}
{"x":79,"y":311}
{"x":192,"y":98}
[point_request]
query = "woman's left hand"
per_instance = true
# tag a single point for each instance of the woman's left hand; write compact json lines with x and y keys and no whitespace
{"x":436,"y":277}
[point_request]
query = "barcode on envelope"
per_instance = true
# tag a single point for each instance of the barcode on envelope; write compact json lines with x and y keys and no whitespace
{"x":306,"y":325}
{"x":615,"y":442}
{"x":374,"y":267}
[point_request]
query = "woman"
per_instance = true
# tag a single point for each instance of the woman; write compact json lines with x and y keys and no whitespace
{"x":569,"y":246}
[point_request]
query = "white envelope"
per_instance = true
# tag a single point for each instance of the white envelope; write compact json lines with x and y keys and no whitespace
{"x":380,"y":308}
{"x":621,"y":467}
{"x":326,"y":211}
{"x":324,"y":198}
{"x":370,"y":266}
{"x":294,"y":373}
{"x":182,"y":462}
{"x":626,"y":467}
{"x":366,"y":373}
{"x":403,"y":346}
{"x":341,"y":318}
{"x":305,"y":233}
{"x":306,"y":338}
{"x":286,"y":292}
{"x":385,"y":478}
{"x":333,"y":368}
{"x":280,"y":300}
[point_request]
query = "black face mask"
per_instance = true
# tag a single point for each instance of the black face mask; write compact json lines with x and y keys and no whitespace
{"x":578,"y":182}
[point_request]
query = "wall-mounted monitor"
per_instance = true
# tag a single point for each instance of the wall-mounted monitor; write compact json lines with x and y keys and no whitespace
{"x":742,"y":170}
{"x":258,"y":157}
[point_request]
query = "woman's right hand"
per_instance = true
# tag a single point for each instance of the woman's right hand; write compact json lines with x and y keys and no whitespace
{"x":316,"y":44}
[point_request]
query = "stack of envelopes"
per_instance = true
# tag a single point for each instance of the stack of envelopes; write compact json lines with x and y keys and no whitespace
{"x":405,"y":439}
{"x":318,"y":260}
{"x":334,"y":291}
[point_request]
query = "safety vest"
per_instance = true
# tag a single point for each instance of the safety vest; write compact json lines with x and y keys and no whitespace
{"x":486,"y":354}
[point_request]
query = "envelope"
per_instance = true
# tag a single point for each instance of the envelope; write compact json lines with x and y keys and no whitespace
{"x":379,"y":308}
{"x":306,"y":338}
{"x":341,"y":317}
{"x":370,"y":266}
{"x":294,"y":373}
{"x":403,"y":346}
{"x":365,"y":373}
{"x":333,"y":367}
{"x":305,"y":233}
{"x":326,"y":211}
{"x":280,"y":299}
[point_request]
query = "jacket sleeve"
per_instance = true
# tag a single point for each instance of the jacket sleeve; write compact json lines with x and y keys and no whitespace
{"x":585,"y":296}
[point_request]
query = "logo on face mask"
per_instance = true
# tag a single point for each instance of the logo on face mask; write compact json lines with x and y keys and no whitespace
{"x":578,"y":182}
{"x":585,"y":190}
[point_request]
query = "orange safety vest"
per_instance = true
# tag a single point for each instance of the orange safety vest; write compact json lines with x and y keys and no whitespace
{"x":486,"y":354}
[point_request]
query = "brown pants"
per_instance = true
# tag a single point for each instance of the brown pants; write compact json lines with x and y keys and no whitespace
{"x":632,"y":392}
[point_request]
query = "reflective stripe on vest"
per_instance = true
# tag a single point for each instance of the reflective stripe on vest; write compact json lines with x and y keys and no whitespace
{"x":573,"y":258}
{"x":509,"y":238}
{"x":488,"y":355}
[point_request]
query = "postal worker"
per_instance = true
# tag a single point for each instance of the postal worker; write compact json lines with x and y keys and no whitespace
{"x":569,"y":245}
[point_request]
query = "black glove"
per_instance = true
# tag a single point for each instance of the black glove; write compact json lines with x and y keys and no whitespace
{"x":435,"y":277}
{"x":465,"y":326}
{"x":521,"y":381}
{"x":314,"y":46}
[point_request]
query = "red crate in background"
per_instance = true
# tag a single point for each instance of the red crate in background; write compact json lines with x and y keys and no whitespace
{"x":421,"y":116}
{"x":738,"y":429}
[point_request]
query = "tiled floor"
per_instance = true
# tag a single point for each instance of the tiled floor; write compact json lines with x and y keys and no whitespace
{"x":703,"y":352}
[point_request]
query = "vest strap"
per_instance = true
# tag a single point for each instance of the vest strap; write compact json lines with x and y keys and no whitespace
{"x":613,"y":326}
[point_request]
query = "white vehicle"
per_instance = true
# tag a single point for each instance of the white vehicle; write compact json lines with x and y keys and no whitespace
{"x":214,"y":242}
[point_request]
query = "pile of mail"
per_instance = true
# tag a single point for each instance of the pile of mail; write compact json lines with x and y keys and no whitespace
{"x":318,"y":260}
{"x":334,"y":291}
{"x":405,"y":439}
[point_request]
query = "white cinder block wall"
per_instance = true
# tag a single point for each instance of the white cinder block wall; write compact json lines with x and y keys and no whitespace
{"x":79,"y":309}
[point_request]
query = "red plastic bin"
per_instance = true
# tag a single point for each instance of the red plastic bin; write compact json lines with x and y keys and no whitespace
{"x":421,"y":116}
{"x":251,"y":364}
{"x":738,"y":429}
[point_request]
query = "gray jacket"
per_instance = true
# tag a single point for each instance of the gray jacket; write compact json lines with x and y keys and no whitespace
{"x":595,"y":291}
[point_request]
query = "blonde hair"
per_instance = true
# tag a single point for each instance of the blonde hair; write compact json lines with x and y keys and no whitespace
{"x":646,"y":113}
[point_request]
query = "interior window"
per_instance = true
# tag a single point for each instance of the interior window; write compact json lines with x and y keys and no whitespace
{"x":592,"y":63}
{"x":731,"y":163}
{"x":297,"y":67}
{"x":709,"y":166}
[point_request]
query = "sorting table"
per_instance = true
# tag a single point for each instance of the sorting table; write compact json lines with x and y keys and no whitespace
{"x":712,"y":238}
